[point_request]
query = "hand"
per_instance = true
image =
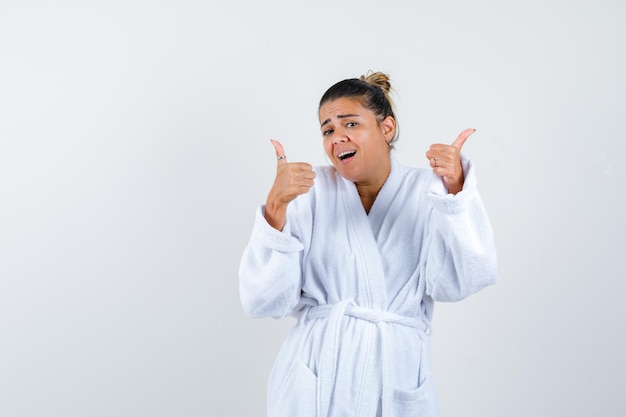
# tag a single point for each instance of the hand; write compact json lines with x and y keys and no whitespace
{"x":446,"y":161}
{"x":292,"y":179}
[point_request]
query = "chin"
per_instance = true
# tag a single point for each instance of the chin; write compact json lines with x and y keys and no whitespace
{"x":348,"y":175}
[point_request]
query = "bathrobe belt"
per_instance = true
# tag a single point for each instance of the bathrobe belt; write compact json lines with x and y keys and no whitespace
{"x":330,"y":346}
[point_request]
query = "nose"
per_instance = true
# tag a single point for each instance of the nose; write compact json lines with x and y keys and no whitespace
{"x":340,"y":136}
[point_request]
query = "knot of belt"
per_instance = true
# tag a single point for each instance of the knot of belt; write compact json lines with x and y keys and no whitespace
{"x":330,"y":346}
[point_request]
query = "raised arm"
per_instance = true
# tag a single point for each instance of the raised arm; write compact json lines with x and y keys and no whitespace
{"x":460,"y":249}
{"x":270,"y":272}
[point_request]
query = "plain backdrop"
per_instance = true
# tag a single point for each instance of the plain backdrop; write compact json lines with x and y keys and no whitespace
{"x":134,"y":149}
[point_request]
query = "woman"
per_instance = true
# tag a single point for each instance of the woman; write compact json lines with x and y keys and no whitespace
{"x":359,"y":252}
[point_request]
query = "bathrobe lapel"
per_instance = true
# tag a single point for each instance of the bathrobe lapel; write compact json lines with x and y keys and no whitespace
{"x":367,"y":228}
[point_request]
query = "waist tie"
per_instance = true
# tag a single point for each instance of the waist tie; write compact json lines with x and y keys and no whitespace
{"x":330,"y":346}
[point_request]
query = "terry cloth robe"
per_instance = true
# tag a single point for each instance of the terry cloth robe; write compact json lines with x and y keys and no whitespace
{"x":362,"y":288}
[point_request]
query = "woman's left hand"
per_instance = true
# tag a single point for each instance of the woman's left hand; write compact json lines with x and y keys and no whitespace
{"x":446,"y":161}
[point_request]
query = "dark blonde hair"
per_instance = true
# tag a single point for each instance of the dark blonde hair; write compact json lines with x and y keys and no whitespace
{"x":372,"y":90}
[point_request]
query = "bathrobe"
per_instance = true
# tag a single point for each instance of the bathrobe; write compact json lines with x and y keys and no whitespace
{"x":362,"y":288}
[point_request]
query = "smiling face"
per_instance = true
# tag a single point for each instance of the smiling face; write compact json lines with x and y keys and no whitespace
{"x":356,"y":142}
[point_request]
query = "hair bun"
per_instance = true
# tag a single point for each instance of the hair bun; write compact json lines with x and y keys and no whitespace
{"x":378,"y":79}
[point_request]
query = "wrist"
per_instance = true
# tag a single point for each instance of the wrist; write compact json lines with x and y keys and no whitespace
{"x":276,"y":214}
{"x":455,"y":189}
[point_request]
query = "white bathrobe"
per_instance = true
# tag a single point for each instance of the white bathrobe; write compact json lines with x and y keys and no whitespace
{"x":362,"y":288}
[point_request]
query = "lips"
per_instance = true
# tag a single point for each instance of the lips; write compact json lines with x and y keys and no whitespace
{"x":345,"y":155}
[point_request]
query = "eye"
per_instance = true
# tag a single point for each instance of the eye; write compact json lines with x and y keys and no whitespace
{"x":352,"y":124}
{"x":327,"y":132}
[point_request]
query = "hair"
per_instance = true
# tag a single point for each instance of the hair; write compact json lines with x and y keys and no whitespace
{"x":373,"y":91}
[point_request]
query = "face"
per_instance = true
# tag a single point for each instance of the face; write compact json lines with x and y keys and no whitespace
{"x":355,"y":141}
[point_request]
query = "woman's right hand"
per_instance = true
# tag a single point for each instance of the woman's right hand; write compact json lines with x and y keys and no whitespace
{"x":292,"y":179}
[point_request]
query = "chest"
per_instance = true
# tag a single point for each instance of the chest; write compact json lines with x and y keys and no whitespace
{"x":346,"y":238}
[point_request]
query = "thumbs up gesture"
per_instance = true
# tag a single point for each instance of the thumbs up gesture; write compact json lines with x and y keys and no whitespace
{"x":446,"y":161}
{"x":292,"y":179}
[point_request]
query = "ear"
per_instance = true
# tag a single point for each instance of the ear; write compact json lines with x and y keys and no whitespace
{"x":389,"y":127}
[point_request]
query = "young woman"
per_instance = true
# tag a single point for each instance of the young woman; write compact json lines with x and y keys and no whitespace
{"x":359,"y":252}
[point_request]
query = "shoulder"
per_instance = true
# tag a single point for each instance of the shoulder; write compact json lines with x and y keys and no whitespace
{"x":412,"y":176}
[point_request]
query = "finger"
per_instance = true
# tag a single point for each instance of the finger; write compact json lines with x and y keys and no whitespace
{"x":280,"y":152}
{"x":460,"y":140}
{"x":302,"y":168}
{"x":308,"y":174}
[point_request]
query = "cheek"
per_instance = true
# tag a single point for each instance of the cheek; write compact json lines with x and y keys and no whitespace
{"x":328,"y":147}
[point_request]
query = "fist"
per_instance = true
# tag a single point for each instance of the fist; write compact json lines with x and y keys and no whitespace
{"x":292,"y":179}
{"x":445,"y":161}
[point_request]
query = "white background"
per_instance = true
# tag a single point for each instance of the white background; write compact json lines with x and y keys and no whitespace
{"x":134,"y":148}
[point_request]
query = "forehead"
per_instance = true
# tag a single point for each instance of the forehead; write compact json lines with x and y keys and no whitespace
{"x":342,"y":106}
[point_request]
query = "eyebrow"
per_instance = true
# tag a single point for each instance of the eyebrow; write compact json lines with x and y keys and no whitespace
{"x":341,"y":116}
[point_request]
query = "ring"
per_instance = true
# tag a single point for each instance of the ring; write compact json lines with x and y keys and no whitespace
{"x":281,"y":157}
{"x":436,"y":158}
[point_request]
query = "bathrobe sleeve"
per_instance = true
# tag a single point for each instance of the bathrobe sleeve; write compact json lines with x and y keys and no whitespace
{"x":270,"y":272}
{"x":460,"y":250}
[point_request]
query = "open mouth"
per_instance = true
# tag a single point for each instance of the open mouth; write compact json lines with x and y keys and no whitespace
{"x":345,"y":155}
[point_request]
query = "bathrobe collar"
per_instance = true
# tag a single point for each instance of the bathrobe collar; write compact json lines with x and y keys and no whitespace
{"x":367,"y":228}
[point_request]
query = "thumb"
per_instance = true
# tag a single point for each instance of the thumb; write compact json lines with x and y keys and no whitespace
{"x":460,"y":140}
{"x":280,"y":152}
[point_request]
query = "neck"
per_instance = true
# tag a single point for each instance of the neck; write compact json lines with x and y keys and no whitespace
{"x":368,"y":190}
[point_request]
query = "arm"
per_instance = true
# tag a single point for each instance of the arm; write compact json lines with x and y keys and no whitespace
{"x":460,"y":249}
{"x":270,"y":274}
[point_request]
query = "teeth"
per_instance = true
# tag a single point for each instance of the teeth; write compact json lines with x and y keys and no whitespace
{"x":346,"y":154}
